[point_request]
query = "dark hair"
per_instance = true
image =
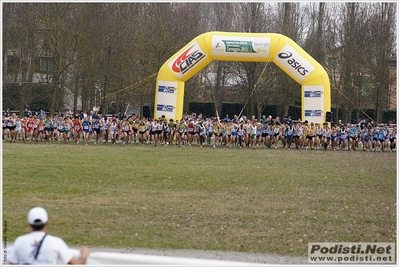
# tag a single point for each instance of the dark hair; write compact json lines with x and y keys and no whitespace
{"x":38,"y":225}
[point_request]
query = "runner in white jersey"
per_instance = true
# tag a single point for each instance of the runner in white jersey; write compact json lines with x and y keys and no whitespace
{"x":252,"y":134}
{"x":276,"y":134}
{"x":343,"y":138}
{"x":159,"y":132}
{"x":326,"y":136}
{"x":18,"y":128}
{"x":68,"y":129}
{"x":126,"y":130}
{"x":11,"y":125}
{"x":247,"y":132}
{"x":201,"y":132}
{"x":113,"y":131}
{"x":153,"y":131}
{"x":298,"y":132}
{"x":104,"y":126}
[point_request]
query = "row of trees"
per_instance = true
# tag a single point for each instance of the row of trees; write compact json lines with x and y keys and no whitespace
{"x":97,"y":54}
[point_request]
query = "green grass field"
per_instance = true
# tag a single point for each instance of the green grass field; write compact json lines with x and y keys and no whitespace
{"x":264,"y":200}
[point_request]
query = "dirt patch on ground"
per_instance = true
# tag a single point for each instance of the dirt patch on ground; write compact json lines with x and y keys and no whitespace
{"x":210,"y":255}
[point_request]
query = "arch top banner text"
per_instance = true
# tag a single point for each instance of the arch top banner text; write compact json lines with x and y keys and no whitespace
{"x":248,"y":47}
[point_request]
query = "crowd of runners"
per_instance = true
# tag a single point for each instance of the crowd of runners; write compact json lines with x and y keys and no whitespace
{"x":196,"y":130}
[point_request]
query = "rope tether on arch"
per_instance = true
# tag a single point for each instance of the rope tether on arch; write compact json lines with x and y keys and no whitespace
{"x":145,"y":80}
{"x":333,"y":86}
{"x":256,"y":84}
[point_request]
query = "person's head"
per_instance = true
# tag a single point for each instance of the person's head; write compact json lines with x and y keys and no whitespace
{"x":37,"y":218}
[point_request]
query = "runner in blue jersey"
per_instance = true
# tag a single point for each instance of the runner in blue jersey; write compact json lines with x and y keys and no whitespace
{"x":289,"y":135}
{"x":378,"y":136}
{"x":353,"y":137}
{"x":265,"y":133}
{"x":96,"y":128}
{"x":385,"y":142}
{"x":241,"y":134}
{"x":366,"y":136}
{"x":86,"y":127}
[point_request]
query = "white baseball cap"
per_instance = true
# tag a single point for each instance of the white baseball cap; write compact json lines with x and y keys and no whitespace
{"x":37,"y":216}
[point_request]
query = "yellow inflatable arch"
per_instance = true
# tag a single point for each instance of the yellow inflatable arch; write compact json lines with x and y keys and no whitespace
{"x":249,"y":47}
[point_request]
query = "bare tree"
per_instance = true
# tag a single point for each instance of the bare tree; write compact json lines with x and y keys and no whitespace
{"x":291,"y":24}
{"x":316,"y":39}
{"x":108,"y":54}
{"x":256,"y":83}
{"x":383,"y":29}
{"x":19,"y":44}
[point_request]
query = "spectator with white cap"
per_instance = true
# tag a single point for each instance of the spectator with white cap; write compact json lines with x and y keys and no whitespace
{"x":38,"y":247}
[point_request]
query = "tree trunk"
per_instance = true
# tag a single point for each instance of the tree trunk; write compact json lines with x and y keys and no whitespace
{"x":54,"y":97}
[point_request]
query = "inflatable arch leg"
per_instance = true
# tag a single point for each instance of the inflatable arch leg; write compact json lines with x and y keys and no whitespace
{"x":249,"y":47}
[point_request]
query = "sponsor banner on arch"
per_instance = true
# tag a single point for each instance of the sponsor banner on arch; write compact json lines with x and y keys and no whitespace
{"x":314,"y":115}
{"x":313,"y":103}
{"x":235,"y":46}
{"x":187,"y":60}
{"x":294,"y":63}
{"x":167,"y":99}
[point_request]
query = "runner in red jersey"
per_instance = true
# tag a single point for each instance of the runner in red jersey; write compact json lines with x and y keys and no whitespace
{"x":77,"y":128}
{"x":29,"y":128}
